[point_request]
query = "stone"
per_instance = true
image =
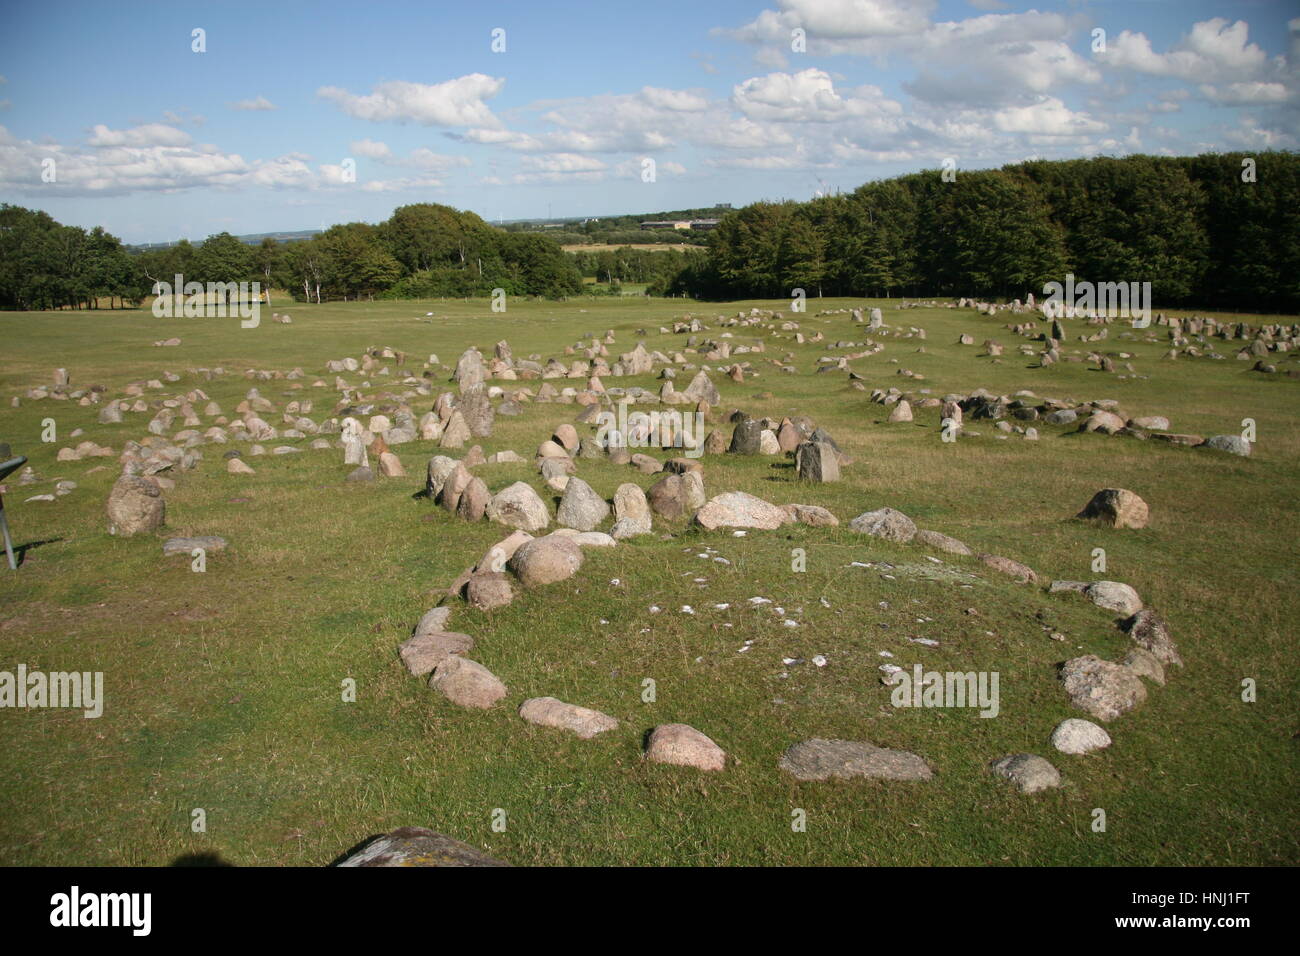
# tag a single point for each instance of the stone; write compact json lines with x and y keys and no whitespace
{"x":469,"y":369}
{"x":1148,"y":629}
{"x":812,"y":515}
{"x":816,"y":461}
{"x":1117,"y":508}
{"x":941,"y":542}
{"x":473,"y":500}
{"x":208,"y":543}
{"x":500,"y":553}
{"x":747,"y":438}
{"x":135,"y":506}
{"x":1029,"y":772}
{"x":546,"y":560}
{"x":390,"y":466}
{"x":1108,"y":423}
{"x":435,"y":619}
{"x":702,"y":390}
{"x":1074,"y":735}
{"x":467,"y":683}
{"x":684,"y":746}
{"x":550,"y":712}
{"x":631,"y":512}
{"x":1233,"y":444}
{"x":425,"y":651}
{"x":519,"y":506}
{"x":885,"y":523}
{"x":1143,"y":663}
{"x":1102,"y":688}
{"x":437,"y":472}
{"x":567,"y":436}
{"x":237,"y":466}
{"x":457,"y":482}
{"x":901,"y":412}
{"x":1114,"y":596}
{"x":417,"y":846}
{"x":677,"y":496}
{"x":489,"y":590}
{"x":819,"y":759}
{"x":360,"y":473}
{"x":736,"y":509}
{"x":581,"y":508}
{"x":1021,"y":572}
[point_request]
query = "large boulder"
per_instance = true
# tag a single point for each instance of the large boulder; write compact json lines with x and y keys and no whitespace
{"x":1148,"y":629}
{"x":1114,"y":596}
{"x":135,"y":506}
{"x":677,"y":496}
{"x":1102,"y":688}
{"x":747,"y":438}
{"x":1116,"y":507}
{"x":885,"y":523}
{"x":1075,"y":735}
{"x":546,"y":560}
{"x":581,"y":508}
{"x":702,"y":390}
{"x":736,"y":509}
{"x":1233,"y":444}
{"x":519,"y":506}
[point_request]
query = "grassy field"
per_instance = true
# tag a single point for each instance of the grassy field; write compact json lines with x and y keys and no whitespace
{"x":223,"y":688}
{"x":638,"y":246}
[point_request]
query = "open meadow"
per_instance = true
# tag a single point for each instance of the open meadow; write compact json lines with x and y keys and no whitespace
{"x":224,"y":691}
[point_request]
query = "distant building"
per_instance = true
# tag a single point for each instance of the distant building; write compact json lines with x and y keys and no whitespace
{"x":667,"y":224}
{"x":704,"y":225}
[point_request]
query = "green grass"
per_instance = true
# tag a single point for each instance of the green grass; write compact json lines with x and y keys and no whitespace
{"x":223,"y":689}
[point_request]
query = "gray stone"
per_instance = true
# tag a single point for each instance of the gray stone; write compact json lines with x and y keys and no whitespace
{"x":819,"y":759}
{"x":1233,"y":444}
{"x":885,"y":523}
{"x":941,"y":542}
{"x":1114,"y":596}
{"x":210,"y":542}
{"x":135,"y":506}
{"x":546,"y":560}
{"x":1029,"y":772}
{"x":736,"y":509}
{"x":1148,"y":629}
{"x":581,"y":508}
{"x":519,"y":506}
{"x":1102,"y":688}
{"x":1075,"y":735}
{"x":817,"y":461}
{"x":416,"y":846}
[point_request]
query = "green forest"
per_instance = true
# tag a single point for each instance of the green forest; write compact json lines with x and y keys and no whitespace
{"x":1216,"y":231}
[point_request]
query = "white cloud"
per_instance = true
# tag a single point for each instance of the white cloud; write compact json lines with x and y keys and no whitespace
{"x":1048,"y":117}
{"x":1254,"y":92}
{"x":458,"y":102}
{"x":1214,"y":50}
{"x":807,"y":96}
{"x":255,"y":105}
{"x":150,"y":134}
{"x":371,"y":149}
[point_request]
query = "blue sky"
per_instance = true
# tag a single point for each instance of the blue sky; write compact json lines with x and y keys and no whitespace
{"x":261,"y":131}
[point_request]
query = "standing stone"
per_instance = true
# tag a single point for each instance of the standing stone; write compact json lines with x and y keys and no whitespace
{"x":135,"y":506}
{"x":473,"y":500}
{"x":581,"y":508}
{"x":747,"y":438}
{"x":456,"y":432}
{"x":390,"y":466}
{"x":677,"y":496}
{"x":476,"y":410}
{"x":702,"y":390}
{"x":438,"y":471}
{"x":816,"y":461}
{"x":902,"y":412}
{"x":631,"y":512}
{"x":469,"y":369}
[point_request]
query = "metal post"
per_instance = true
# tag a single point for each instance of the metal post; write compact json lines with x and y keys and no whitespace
{"x":9,"y":545}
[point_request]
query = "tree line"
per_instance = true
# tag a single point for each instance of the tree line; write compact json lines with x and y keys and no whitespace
{"x":421,"y":251}
{"x":1216,"y":231}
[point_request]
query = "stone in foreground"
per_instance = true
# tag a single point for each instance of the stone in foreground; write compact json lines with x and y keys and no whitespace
{"x":1148,"y":629}
{"x":736,"y":509}
{"x":1078,"y":736}
{"x":550,"y":712}
{"x":1030,"y":772}
{"x":467,"y":683}
{"x":135,"y":506}
{"x":1102,"y":688}
{"x":1114,"y":596}
{"x":424,"y":652}
{"x":416,"y":846}
{"x":819,"y":759}
{"x":684,"y":746}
